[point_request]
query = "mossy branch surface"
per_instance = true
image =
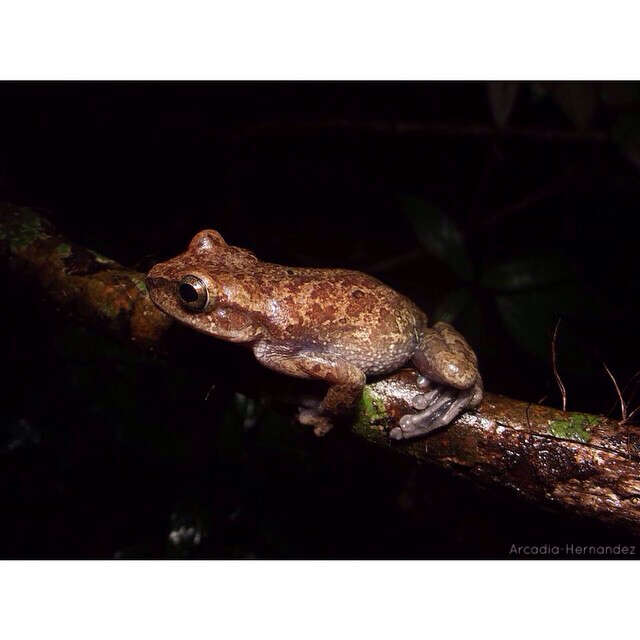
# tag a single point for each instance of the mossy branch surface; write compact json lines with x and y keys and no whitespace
{"x":78,"y":281}
{"x":586,"y":464}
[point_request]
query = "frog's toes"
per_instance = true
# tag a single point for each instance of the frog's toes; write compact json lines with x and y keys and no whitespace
{"x":322,"y":429}
{"x":405,"y":429}
{"x":478,"y":392}
{"x":441,"y":410}
{"x":464,"y":400}
{"x":419,"y":402}
{"x":416,"y":424}
{"x":321,"y":424}
{"x":422,"y":400}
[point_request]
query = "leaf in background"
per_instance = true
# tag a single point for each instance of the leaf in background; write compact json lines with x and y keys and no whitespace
{"x":439,"y":235}
{"x":619,"y":94}
{"x":626,"y":133}
{"x":539,"y":91}
{"x":452,"y":306}
{"x":531,"y":316}
{"x":535,"y":271}
{"x":578,"y":100}
{"x":502,"y":97}
{"x":626,"y":130}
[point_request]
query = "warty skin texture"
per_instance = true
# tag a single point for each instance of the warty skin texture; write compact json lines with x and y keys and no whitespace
{"x":332,"y":324}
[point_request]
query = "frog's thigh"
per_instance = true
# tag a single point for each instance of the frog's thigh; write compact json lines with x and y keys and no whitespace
{"x":346,"y":380}
{"x":445,"y":357}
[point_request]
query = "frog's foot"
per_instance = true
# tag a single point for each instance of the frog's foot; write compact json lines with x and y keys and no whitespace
{"x":320,"y":423}
{"x":437,"y":408}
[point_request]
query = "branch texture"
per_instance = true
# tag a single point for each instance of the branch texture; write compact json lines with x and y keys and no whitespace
{"x":81,"y":282}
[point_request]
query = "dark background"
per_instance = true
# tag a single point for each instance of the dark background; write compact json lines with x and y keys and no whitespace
{"x":501,"y":208}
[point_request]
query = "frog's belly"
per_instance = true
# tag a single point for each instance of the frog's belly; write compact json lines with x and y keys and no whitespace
{"x":375,"y":362}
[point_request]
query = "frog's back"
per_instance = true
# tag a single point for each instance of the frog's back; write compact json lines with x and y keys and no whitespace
{"x":345,"y":313}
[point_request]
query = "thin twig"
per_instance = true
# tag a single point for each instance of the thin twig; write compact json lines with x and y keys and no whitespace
{"x":561,"y":386}
{"x":632,"y":384}
{"x":526,"y":414}
{"x":633,"y":413}
{"x":623,"y":406}
{"x":624,"y":392}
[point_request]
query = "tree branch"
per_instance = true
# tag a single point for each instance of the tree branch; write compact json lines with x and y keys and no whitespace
{"x":82,"y":283}
{"x":586,"y":464}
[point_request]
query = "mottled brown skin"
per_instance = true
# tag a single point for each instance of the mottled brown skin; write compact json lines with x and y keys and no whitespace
{"x":330,"y":324}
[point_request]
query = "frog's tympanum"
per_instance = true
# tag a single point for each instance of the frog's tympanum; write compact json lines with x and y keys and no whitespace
{"x":329,"y":324}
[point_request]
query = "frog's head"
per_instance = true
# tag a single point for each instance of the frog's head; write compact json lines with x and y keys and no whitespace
{"x":199,"y":288}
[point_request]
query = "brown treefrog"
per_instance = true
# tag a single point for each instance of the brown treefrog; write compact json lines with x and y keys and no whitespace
{"x":335,"y":325}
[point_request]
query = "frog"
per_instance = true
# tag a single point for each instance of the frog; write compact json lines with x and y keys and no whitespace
{"x":336,"y":325}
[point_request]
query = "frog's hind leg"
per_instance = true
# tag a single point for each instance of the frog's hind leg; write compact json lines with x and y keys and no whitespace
{"x":444,"y":358}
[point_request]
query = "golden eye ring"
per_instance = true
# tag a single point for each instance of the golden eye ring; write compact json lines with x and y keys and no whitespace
{"x":193,"y":293}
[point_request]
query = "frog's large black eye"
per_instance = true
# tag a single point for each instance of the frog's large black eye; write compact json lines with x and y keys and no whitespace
{"x":193,"y":293}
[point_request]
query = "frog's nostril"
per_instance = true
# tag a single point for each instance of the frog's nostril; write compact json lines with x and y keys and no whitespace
{"x":151,"y":283}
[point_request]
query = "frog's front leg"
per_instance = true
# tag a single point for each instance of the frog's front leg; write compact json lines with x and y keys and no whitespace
{"x":444,"y":358}
{"x":347,"y":381}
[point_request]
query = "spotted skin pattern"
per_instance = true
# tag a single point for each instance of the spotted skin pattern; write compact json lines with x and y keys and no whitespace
{"x":336,"y":325}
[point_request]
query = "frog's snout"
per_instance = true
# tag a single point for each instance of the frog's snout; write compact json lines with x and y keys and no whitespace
{"x":157,"y":277}
{"x":156,"y":284}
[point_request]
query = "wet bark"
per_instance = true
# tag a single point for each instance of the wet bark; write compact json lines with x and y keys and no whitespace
{"x":583,"y":463}
{"x":586,"y":464}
